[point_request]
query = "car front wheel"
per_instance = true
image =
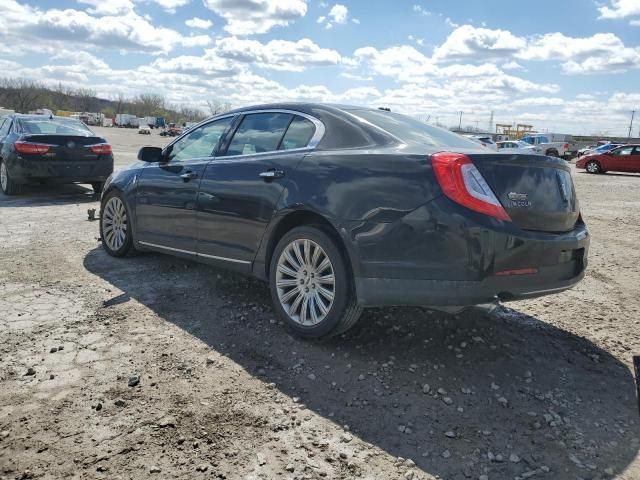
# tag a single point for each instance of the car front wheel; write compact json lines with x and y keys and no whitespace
{"x":593,"y":167}
{"x":115,"y":225}
{"x":311,"y":285}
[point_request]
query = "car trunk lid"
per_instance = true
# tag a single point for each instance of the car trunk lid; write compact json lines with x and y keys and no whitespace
{"x":67,"y":147}
{"x":536,"y":191}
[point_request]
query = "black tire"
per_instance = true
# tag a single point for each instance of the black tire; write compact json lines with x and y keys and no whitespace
{"x":8,"y":186}
{"x":552,"y":153}
{"x":344,"y":311}
{"x":127,"y":244}
{"x":97,"y":187}
{"x":593,"y":166}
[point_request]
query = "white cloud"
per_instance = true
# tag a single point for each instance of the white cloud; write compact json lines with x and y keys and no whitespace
{"x":401,"y":62}
{"x":539,"y":101}
{"x":602,"y":52}
{"x":479,"y":43}
{"x":111,"y":7}
{"x":418,"y":40}
{"x":248,"y":17}
{"x":620,"y":9}
{"x":28,"y":26}
{"x":351,"y":76}
{"x":196,"y":22}
{"x":421,"y":10}
{"x":337,"y":15}
{"x":195,"y":41}
{"x":513,"y":65}
{"x":168,"y":5}
{"x":277,"y":54}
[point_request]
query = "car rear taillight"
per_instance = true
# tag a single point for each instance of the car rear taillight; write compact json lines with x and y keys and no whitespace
{"x":30,"y":148}
{"x":461,"y":181}
{"x":101,"y":149}
{"x":566,"y":146}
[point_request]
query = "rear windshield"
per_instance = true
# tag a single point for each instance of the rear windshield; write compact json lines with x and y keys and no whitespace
{"x":54,"y":126}
{"x":409,"y":129}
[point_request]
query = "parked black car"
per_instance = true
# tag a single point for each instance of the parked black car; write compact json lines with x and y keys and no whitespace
{"x":47,"y":149}
{"x":340,"y":208}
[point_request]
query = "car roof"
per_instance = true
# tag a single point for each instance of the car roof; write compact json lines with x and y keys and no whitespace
{"x":304,"y":107}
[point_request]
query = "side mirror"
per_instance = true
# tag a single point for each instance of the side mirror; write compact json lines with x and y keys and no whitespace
{"x":150,"y":154}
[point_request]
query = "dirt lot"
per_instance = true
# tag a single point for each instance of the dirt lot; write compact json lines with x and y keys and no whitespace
{"x":219,"y":389}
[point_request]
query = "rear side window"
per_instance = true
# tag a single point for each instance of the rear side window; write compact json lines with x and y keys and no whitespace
{"x":54,"y":126}
{"x":298,"y":134}
{"x":411,"y":130}
{"x":259,"y":133}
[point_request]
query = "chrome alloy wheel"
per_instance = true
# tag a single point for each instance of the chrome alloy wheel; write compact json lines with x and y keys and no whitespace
{"x":592,"y":167}
{"x":4,"y":177}
{"x":305,"y":282}
{"x":114,"y":223}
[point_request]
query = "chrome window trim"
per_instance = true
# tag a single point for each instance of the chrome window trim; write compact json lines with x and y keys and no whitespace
{"x":313,"y":143}
{"x":196,"y":254}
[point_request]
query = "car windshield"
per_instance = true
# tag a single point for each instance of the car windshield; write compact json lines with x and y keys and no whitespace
{"x":409,"y":129}
{"x":522,"y":144}
{"x":55,"y":126}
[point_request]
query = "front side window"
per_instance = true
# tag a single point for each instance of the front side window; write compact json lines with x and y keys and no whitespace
{"x":623,"y":151}
{"x":200,"y":142}
{"x":259,"y":133}
{"x":298,"y":134}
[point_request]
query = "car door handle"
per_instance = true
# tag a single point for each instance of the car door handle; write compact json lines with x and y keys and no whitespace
{"x":271,"y":174}
{"x":188,"y":176}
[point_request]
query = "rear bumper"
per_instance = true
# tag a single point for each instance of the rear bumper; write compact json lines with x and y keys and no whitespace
{"x":395,"y":291}
{"x":437,"y":257}
{"x":60,"y":171}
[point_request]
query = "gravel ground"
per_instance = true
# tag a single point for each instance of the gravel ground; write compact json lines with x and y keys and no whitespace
{"x":156,"y":367}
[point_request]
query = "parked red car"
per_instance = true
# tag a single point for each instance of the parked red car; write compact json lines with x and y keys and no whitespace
{"x":625,"y":158}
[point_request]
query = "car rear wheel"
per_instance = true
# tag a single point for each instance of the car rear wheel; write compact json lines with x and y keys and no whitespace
{"x":311,"y":284}
{"x":552,"y":153}
{"x":8,"y":186}
{"x":115,"y":225}
{"x":97,"y":187}
{"x":593,"y":167}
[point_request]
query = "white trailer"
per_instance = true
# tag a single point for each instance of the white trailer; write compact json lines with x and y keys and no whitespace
{"x":124,"y":119}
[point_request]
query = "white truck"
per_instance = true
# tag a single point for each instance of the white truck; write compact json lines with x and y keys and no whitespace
{"x":552,"y":144}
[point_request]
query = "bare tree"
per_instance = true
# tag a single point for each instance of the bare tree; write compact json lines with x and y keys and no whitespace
{"x":22,"y":95}
{"x":148,"y":104}
{"x":217,"y":106}
{"x":84,"y":99}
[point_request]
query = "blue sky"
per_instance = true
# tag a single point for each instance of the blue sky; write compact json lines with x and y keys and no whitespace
{"x":571,"y":66}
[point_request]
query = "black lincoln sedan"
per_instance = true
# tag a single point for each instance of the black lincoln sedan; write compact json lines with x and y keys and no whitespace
{"x":340,"y":208}
{"x":48,"y":149}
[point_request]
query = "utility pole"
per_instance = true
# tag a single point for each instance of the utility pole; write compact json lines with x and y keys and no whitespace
{"x":460,"y":122}
{"x":490,"y":122}
{"x":633,"y":113}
